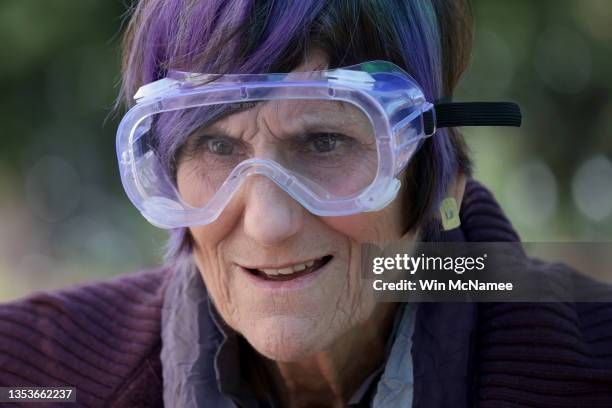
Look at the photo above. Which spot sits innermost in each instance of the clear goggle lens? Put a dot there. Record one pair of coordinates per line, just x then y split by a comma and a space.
328, 146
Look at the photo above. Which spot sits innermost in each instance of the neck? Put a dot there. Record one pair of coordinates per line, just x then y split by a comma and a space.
332, 376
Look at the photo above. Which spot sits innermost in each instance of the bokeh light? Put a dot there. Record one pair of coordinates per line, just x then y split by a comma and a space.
531, 194
52, 188
562, 59
592, 188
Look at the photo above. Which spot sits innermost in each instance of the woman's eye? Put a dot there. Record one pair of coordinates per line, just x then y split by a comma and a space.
324, 142
220, 147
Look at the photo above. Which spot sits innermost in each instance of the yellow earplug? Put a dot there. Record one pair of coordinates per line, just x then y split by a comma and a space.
449, 211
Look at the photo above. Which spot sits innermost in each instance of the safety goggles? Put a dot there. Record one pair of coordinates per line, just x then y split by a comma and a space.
334, 140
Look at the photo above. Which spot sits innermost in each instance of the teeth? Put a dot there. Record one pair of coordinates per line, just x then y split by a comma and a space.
299, 267
285, 271
288, 270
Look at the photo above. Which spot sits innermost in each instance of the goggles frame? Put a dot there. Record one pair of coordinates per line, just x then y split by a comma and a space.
400, 115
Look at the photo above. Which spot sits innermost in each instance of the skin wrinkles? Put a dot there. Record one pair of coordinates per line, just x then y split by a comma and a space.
268, 120
270, 130
322, 340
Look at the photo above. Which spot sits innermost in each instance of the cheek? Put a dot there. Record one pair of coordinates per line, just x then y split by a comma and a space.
376, 227
208, 254
213, 273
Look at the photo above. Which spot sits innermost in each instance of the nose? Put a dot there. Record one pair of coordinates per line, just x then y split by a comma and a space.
271, 216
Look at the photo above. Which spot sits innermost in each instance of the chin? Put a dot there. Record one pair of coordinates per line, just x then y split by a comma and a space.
288, 338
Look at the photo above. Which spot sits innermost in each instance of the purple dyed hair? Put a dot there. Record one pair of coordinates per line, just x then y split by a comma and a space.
431, 39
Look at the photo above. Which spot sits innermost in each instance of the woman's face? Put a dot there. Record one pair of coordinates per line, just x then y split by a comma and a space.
263, 231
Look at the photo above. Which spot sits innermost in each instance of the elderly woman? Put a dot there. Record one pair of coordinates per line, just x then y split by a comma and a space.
273, 139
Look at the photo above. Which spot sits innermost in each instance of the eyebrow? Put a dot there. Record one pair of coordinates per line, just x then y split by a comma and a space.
306, 117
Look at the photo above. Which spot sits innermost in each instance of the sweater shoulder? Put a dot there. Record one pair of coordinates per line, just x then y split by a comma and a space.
94, 336
545, 354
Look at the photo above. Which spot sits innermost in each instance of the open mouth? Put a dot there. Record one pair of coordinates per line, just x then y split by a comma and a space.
291, 272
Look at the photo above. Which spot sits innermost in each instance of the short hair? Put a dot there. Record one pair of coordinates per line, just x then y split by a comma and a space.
430, 39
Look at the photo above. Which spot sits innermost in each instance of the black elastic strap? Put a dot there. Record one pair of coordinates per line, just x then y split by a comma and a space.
457, 114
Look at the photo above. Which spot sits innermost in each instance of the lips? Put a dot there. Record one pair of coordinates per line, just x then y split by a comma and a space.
292, 271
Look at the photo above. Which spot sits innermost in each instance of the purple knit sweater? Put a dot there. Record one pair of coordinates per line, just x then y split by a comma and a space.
104, 338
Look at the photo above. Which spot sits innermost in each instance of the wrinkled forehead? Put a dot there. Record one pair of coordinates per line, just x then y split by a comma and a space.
288, 117
282, 110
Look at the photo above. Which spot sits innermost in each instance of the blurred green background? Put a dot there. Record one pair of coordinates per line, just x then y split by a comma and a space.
64, 217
